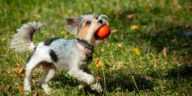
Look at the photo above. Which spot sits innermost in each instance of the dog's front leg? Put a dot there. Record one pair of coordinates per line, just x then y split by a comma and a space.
87, 78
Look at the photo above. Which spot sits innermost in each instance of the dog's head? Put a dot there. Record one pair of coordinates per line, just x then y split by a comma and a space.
85, 27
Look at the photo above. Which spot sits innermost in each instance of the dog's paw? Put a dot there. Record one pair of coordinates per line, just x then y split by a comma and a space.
96, 86
27, 92
82, 85
46, 89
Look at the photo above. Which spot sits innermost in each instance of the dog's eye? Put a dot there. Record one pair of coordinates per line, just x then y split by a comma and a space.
88, 22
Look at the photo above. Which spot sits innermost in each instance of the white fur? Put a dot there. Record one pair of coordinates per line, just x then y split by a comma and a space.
23, 37
69, 57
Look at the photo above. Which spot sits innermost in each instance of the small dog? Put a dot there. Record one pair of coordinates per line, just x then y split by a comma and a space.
71, 56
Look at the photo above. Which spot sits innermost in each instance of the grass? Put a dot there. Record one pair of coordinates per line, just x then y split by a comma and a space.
152, 59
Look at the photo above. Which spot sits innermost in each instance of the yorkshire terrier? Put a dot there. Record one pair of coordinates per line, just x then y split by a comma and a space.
72, 56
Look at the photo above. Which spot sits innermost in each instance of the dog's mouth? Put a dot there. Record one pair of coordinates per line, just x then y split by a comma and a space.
96, 35
102, 32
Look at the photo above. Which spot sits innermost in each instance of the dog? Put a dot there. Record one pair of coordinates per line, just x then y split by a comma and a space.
72, 56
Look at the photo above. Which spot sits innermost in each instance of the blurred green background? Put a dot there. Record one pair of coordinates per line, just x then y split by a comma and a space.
148, 52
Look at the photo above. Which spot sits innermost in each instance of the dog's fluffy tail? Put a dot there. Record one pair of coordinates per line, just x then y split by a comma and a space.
23, 40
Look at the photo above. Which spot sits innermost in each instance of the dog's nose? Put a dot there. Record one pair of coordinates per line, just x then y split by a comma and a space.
100, 21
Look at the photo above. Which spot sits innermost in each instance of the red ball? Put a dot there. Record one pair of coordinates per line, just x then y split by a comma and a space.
103, 32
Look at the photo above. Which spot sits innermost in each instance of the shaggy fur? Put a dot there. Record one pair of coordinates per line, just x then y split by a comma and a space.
71, 56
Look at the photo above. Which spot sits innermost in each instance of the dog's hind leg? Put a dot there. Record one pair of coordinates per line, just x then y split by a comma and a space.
49, 70
30, 66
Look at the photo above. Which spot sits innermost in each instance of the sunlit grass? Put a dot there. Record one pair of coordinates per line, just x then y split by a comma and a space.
148, 52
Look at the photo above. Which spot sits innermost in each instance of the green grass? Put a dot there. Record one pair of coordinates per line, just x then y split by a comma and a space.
161, 25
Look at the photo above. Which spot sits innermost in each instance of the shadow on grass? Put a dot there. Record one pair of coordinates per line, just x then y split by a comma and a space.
119, 82
64, 80
175, 37
123, 83
177, 40
128, 82
180, 75
184, 71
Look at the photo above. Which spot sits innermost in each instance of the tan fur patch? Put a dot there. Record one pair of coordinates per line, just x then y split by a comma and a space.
83, 32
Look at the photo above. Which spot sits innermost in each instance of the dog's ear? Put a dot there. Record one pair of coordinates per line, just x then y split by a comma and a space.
73, 24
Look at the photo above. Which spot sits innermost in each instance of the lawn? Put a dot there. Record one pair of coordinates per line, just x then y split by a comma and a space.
148, 52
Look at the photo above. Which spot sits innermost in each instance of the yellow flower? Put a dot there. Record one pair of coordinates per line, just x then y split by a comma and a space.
120, 45
137, 51
134, 27
18, 70
99, 63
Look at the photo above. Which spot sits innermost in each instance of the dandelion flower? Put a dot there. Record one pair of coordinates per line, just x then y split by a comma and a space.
134, 27
137, 51
99, 63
